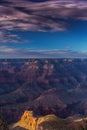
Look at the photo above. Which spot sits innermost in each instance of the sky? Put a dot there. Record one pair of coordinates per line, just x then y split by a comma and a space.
43, 29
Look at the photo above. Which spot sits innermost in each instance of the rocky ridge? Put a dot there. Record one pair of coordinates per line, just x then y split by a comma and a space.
49, 122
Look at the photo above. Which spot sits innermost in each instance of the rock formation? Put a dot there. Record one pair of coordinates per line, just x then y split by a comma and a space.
48, 122
29, 122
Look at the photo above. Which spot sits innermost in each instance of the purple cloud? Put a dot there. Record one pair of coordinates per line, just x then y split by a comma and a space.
45, 16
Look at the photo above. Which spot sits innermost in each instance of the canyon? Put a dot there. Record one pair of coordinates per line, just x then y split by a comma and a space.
44, 86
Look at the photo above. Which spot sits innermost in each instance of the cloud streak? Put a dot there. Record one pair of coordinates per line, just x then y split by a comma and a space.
10, 52
45, 16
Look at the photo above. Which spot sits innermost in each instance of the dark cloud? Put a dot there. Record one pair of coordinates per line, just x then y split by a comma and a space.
6, 37
4, 2
38, 0
40, 15
24, 10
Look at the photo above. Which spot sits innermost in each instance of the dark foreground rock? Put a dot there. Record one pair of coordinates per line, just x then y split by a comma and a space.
3, 124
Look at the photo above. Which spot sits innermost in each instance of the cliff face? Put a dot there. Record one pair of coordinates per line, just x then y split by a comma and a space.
28, 121
3, 124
